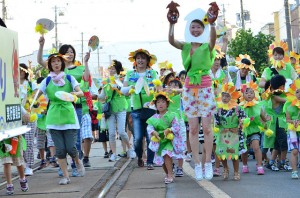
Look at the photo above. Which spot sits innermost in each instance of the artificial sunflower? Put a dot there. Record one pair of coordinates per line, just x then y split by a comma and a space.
239, 62
42, 105
132, 56
254, 87
279, 63
219, 54
231, 90
161, 93
165, 65
291, 94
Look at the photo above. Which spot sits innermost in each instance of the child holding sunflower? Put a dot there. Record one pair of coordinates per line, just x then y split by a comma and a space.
164, 130
228, 119
291, 108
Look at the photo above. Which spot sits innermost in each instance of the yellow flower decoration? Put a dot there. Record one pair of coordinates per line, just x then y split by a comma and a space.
295, 55
33, 117
42, 105
269, 132
170, 136
161, 93
216, 130
252, 85
165, 65
231, 90
219, 54
291, 94
40, 29
240, 65
279, 63
152, 57
205, 20
291, 127
154, 139
157, 82
131, 91
112, 64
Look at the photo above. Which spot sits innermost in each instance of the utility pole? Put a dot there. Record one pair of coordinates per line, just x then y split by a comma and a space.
224, 21
4, 15
55, 23
82, 48
242, 15
288, 25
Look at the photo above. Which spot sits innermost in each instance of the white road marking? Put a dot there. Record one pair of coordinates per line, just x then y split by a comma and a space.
208, 186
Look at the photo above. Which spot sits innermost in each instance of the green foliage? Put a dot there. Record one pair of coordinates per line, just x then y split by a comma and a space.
255, 46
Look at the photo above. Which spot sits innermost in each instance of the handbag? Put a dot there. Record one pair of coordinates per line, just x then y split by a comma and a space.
106, 108
146, 113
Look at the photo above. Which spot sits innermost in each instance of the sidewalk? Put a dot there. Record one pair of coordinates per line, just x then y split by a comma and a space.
45, 182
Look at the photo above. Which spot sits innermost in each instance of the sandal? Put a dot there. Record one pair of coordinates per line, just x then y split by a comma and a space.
236, 176
225, 174
140, 162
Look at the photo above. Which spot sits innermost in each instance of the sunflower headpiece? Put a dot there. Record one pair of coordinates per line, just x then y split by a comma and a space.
161, 93
132, 56
279, 63
219, 53
252, 85
231, 90
295, 56
165, 65
239, 62
291, 94
113, 63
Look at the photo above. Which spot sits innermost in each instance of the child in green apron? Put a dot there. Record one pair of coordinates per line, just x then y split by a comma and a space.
164, 130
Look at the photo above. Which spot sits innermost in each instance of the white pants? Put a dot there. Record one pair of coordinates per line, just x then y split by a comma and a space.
119, 119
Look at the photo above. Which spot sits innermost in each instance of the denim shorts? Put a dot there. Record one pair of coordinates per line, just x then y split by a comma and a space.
255, 136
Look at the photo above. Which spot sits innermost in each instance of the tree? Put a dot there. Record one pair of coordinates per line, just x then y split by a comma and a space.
255, 46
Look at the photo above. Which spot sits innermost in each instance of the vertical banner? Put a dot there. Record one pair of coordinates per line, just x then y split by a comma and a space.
10, 102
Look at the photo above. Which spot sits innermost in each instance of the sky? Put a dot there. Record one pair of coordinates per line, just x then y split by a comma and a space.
119, 21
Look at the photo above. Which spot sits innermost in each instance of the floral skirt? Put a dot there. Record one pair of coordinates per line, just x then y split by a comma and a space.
198, 102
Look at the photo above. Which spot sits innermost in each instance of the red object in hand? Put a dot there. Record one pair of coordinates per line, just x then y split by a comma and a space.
14, 143
212, 13
173, 13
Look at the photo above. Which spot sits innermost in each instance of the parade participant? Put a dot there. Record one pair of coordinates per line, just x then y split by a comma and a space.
291, 108
217, 74
164, 66
61, 120
174, 91
277, 139
294, 58
42, 134
118, 104
164, 129
198, 96
182, 76
140, 81
79, 73
244, 74
253, 109
228, 120
27, 90
280, 64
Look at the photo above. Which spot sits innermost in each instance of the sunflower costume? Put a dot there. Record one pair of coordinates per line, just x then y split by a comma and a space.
282, 67
252, 110
229, 138
296, 65
292, 107
170, 145
240, 63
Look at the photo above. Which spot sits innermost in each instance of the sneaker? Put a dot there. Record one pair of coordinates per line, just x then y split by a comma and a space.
285, 167
81, 169
131, 153
272, 167
10, 189
208, 171
24, 185
28, 171
198, 172
64, 181
295, 175
260, 170
42, 165
188, 157
75, 172
150, 167
112, 158
245, 169
179, 172
86, 162
122, 154
60, 173
106, 155
217, 172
